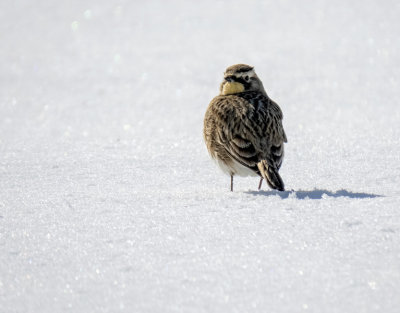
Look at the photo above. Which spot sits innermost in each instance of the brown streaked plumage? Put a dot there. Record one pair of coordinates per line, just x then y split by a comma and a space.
243, 128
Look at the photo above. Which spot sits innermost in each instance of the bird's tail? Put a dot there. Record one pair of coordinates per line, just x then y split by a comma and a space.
271, 175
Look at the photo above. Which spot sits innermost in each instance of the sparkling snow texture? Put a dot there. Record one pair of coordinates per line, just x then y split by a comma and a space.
109, 201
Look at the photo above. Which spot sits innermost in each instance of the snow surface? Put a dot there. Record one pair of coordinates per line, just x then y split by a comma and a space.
109, 201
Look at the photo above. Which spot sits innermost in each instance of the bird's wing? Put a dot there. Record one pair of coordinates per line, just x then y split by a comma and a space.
252, 130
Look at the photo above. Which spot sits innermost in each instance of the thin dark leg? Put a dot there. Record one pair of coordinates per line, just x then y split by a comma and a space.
231, 182
259, 185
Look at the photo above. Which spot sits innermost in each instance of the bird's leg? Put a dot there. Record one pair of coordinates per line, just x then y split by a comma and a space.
231, 182
259, 185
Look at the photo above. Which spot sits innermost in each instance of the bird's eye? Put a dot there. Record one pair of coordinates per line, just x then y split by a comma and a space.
247, 78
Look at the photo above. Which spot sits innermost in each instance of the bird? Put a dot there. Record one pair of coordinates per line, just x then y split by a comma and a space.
243, 128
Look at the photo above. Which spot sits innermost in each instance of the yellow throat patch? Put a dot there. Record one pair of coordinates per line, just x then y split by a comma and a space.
231, 88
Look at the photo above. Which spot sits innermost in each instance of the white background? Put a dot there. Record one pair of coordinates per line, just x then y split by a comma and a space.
109, 201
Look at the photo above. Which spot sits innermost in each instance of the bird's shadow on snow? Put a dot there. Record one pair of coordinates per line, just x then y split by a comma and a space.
314, 194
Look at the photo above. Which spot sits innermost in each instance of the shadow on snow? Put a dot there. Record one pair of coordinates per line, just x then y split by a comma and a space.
314, 194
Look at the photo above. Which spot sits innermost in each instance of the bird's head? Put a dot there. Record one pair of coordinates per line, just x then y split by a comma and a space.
240, 78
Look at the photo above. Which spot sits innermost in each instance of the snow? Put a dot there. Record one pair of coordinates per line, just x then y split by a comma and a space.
109, 201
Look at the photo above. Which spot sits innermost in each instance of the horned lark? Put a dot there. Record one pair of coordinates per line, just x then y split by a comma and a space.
243, 128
